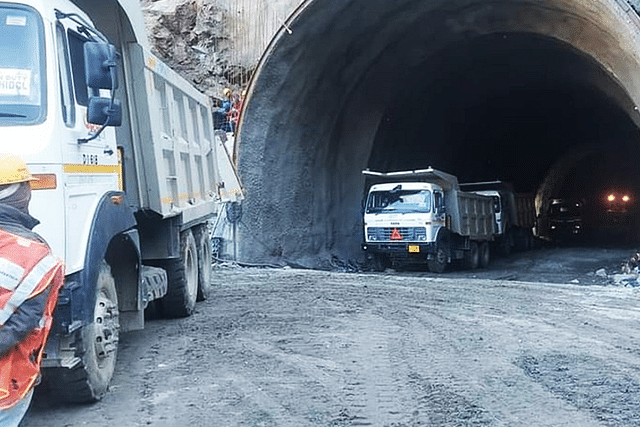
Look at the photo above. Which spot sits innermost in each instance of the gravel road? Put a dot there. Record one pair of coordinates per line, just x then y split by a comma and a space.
293, 348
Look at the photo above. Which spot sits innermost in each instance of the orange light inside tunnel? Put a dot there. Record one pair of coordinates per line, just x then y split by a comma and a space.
44, 182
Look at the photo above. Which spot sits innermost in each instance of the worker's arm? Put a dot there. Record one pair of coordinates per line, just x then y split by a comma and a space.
26, 318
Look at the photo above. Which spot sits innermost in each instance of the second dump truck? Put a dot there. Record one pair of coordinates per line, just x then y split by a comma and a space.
515, 214
422, 216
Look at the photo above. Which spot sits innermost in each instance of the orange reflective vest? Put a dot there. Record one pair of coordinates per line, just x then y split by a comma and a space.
27, 269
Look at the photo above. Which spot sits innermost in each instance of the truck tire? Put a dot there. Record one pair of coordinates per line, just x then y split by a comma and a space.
472, 256
380, 262
507, 243
530, 241
485, 254
438, 264
205, 259
182, 275
96, 346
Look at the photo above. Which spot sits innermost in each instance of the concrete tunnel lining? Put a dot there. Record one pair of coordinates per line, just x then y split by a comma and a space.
320, 104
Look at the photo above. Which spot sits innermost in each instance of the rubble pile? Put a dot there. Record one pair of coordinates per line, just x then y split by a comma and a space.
630, 272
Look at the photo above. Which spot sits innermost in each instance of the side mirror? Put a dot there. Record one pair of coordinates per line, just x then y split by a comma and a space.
99, 65
102, 109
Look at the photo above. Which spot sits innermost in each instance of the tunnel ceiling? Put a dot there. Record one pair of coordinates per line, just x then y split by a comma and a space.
524, 91
504, 106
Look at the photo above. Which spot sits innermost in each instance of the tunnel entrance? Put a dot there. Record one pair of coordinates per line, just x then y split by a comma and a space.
501, 106
525, 107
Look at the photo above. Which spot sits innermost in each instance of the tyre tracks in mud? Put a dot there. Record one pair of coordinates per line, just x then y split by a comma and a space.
296, 348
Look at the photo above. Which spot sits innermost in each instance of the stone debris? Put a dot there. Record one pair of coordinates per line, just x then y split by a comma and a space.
601, 272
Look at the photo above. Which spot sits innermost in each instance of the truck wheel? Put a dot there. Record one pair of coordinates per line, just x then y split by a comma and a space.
182, 274
472, 257
507, 244
201, 235
380, 262
97, 347
485, 255
438, 263
530, 242
522, 240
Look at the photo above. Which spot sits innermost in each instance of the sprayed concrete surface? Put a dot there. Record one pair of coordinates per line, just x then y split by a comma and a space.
292, 348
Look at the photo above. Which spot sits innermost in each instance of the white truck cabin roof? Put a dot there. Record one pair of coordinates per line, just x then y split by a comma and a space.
429, 175
405, 186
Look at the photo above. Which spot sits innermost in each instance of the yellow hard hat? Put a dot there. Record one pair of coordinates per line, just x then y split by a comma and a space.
13, 170
226, 91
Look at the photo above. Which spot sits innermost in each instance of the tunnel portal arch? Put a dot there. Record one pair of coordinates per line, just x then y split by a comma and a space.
481, 89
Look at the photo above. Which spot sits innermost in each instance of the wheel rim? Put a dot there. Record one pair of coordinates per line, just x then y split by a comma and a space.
205, 265
473, 256
484, 255
191, 271
105, 330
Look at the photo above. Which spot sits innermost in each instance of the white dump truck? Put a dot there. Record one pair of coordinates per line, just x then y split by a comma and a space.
129, 172
422, 216
515, 214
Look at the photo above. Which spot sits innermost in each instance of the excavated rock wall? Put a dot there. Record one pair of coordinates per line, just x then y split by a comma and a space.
214, 43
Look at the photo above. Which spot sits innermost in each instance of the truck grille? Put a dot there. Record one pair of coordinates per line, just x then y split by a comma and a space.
383, 234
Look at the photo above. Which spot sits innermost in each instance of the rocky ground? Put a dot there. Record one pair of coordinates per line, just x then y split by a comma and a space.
547, 338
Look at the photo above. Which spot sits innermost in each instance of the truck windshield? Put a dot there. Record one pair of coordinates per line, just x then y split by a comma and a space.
399, 201
565, 210
22, 69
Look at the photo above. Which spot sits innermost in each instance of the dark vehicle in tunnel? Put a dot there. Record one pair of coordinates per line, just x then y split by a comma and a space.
565, 220
422, 217
619, 207
616, 216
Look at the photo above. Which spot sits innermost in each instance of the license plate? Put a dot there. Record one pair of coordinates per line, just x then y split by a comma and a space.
414, 248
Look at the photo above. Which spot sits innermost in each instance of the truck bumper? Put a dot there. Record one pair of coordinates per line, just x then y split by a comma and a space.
400, 249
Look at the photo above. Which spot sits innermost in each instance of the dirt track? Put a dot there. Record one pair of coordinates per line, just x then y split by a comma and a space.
306, 348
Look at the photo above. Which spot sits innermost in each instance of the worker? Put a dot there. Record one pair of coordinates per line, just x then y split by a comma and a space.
30, 279
221, 115
236, 109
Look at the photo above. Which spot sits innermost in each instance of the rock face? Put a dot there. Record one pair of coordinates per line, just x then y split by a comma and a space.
193, 37
214, 43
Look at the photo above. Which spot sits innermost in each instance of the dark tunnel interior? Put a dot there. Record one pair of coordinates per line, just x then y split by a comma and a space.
507, 107
504, 107
514, 106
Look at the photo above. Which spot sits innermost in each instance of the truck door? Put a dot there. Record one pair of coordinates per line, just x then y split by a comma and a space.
439, 207
102, 150
90, 168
